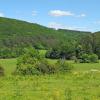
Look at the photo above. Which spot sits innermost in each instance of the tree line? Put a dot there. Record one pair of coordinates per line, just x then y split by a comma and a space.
15, 35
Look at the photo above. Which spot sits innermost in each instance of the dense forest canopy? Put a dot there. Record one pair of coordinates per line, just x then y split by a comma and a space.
16, 35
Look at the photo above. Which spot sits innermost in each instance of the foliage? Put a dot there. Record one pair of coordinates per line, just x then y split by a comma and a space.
26, 64
31, 63
79, 51
46, 68
16, 35
87, 44
94, 58
53, 54
96, 43
89, 58
1, 71
63, 51
10, 52
63, 66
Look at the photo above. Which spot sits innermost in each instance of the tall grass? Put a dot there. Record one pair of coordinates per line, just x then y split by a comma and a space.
82, 84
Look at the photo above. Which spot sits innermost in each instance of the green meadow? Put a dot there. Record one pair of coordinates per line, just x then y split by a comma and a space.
83, 83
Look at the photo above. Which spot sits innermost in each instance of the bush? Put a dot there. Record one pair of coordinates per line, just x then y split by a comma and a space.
60, 53
1, 71
27, 69
93, 58
35, 68
85, 58
31, 63
89, 58
45, 68
64, 66
53, 54
26, 63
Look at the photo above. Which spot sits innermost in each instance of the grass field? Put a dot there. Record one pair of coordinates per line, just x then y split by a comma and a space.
82, 84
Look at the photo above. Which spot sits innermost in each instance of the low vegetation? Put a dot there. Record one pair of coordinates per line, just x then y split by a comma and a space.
88, 58
1, 71
82, 84
32, 63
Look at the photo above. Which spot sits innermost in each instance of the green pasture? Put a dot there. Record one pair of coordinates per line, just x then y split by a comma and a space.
10, 64
82, 84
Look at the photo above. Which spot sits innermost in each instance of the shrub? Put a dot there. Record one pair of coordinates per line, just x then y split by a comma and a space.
27, 69
89, 58
64, 66
1, 71
53, 54
85, 58
93, 58
26, 63
30, 64
45, 68
35, 68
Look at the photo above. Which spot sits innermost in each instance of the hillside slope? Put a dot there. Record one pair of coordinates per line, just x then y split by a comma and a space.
15, 33
96, 40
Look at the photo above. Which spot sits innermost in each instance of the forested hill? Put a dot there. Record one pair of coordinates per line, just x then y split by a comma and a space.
17, 34
96, 40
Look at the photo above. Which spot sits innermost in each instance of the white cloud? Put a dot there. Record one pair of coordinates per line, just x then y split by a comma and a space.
34, 13
61, 26
58, 13
1, 14
81, 15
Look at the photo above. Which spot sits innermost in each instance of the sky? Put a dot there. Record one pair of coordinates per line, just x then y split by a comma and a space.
81, 15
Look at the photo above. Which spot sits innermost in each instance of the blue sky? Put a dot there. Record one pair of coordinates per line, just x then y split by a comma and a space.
69, 14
